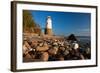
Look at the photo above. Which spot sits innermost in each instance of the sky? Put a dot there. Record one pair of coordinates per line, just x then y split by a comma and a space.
65, 23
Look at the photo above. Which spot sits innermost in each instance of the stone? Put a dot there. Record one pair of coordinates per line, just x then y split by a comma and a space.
53, 51
44, 56
41, 49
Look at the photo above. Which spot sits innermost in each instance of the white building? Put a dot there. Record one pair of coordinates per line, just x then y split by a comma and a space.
48, 29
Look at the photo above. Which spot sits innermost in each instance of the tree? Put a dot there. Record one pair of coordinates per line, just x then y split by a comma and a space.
28, 21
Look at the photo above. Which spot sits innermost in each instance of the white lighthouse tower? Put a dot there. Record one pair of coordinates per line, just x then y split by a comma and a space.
48, 29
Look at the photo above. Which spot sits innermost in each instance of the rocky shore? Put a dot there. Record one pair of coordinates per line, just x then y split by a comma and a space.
53, 48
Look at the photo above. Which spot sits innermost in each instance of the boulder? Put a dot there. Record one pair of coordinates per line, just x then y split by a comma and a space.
72, 37
41, 49
44, 56
53, 51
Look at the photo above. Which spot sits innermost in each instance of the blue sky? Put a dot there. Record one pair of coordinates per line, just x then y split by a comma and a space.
65, 23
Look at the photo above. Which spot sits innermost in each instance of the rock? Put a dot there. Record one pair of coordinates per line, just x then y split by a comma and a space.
75, 45
25, 49
27, 45
41, 49
61, 58
62, 48
82, 57
27, 56
71, 37
44, 56
88, 50
53, 51
34, 44
66, 52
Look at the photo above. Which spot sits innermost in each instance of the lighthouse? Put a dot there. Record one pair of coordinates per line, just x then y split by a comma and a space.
48, 29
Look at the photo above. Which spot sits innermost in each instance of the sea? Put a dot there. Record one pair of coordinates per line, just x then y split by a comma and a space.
84, 41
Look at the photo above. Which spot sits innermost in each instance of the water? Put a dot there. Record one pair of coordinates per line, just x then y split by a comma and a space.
84, 41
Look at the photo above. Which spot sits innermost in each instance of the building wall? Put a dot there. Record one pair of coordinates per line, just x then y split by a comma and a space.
48, 31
